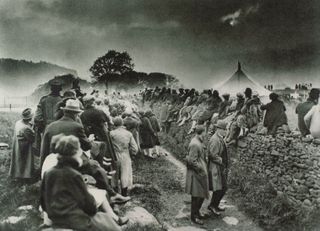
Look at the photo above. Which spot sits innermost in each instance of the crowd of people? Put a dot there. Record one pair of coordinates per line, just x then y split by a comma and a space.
86, 144
222, 122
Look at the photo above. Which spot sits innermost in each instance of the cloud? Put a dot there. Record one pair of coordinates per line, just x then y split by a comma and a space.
185, 38
234, 19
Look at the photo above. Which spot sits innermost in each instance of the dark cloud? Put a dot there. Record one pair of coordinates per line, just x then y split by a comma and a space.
188, 38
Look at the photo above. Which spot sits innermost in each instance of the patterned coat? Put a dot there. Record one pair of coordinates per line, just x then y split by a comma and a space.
197, 173
22, 161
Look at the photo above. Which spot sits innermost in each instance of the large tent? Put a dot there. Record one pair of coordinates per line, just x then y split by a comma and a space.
239, 81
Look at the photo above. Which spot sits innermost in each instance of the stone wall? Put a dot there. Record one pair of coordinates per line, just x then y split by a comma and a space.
276, 180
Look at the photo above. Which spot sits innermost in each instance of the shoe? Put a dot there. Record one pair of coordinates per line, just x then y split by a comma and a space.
197, 221
203, 216
122, 221
119, 199
214, 211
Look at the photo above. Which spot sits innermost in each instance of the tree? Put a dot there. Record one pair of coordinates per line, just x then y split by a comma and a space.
112, 64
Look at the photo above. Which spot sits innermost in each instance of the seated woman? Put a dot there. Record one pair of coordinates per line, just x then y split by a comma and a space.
65, 197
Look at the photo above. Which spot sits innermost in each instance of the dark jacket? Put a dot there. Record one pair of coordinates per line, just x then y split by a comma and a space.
275, 115
45, 111
156, 128
64, 196
147, 133
94, 122
66, 126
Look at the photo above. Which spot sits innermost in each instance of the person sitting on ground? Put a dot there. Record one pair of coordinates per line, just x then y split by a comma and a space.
22, 160
65, 196
303, 108
312, 121
124, 146
275, 115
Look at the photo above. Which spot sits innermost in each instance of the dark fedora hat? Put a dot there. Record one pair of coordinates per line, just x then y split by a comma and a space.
27, 114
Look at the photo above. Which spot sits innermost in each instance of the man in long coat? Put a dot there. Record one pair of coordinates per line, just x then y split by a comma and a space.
197, 174
45, 112
218, 167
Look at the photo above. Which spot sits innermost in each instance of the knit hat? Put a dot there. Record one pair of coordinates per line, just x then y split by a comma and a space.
67, 145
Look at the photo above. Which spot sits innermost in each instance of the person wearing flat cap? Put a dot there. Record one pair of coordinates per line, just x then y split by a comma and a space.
22, 160
197, 184
218, 167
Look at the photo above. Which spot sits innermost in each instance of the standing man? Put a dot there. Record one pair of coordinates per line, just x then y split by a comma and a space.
303, 108
218, 167
47, 106
67, 125
45, 112
197, 184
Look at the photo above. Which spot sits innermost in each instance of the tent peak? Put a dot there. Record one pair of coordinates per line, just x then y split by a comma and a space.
239, 66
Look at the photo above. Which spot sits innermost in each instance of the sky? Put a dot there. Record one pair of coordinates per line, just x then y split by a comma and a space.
198, 41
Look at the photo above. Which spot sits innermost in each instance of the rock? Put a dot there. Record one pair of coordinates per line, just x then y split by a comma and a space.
307, 202
316, 141
306, 139
242, 144
25, 207
14, 219
141, 216
186, 228
231, 220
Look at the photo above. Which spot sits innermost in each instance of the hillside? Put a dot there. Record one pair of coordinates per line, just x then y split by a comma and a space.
20, 77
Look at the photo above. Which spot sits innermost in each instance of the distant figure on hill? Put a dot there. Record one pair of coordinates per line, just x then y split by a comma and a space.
22, 162
303, 108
